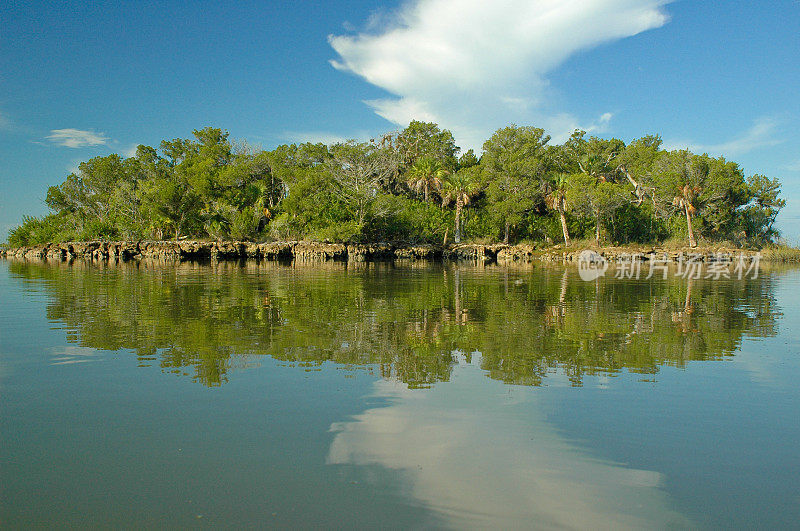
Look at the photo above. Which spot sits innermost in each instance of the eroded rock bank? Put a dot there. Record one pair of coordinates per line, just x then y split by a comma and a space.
230, 250
317, 251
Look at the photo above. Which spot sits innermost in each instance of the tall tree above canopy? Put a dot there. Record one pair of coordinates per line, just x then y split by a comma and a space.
426, 139
169, 202
202, 161
592, 188
515, 164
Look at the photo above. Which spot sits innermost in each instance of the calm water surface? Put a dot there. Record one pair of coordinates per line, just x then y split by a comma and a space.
423, 396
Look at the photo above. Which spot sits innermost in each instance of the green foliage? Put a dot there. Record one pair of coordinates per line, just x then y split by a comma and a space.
409, 220
757, 216
245, 222
424, 139
410, 186
514, 166
636, 224
37, 231
426, 176
343, 232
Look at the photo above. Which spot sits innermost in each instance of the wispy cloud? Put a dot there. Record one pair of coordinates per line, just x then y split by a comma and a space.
320, 136
473, 66
75, 138
760, 134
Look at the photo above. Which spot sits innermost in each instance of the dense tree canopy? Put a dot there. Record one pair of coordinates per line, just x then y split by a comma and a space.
411, 186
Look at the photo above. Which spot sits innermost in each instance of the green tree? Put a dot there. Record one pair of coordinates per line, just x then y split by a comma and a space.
556, 199
426, 176
757, 217
514, 168
426, 139
171, 202
595, 197
91, 196
357, 170
459, 188
700, 186
636, 164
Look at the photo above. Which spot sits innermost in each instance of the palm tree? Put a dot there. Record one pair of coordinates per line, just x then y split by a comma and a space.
685, 201
556, 199
425, 175
459, 187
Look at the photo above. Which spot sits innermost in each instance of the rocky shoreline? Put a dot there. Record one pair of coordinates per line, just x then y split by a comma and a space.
316, 252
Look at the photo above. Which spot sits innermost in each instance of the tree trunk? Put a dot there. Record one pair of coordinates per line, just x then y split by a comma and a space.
458, 220
564, 227
692, 241
597, 230
505, 239
425, 188
637, 189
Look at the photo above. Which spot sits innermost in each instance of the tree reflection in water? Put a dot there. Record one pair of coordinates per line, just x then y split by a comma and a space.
405, 321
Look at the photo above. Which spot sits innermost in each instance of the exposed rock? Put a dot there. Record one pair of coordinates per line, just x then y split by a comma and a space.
418, 252
517, 253
321, 252
370, 252
227, 250
276, 250
314, 251
470, 252
194, 249
161, 250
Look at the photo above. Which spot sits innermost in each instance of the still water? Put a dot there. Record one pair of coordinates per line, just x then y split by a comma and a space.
417, 395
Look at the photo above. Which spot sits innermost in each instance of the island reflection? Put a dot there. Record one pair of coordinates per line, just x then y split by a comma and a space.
408, 322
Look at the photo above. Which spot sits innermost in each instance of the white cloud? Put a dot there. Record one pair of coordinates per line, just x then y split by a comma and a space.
494, 461
761, 134
473, 66
130, 151
75, 138
325, 137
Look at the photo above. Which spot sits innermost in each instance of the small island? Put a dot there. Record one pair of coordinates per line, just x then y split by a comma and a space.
525, 198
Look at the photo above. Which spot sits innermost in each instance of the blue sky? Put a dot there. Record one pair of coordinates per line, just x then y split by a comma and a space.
77, 81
